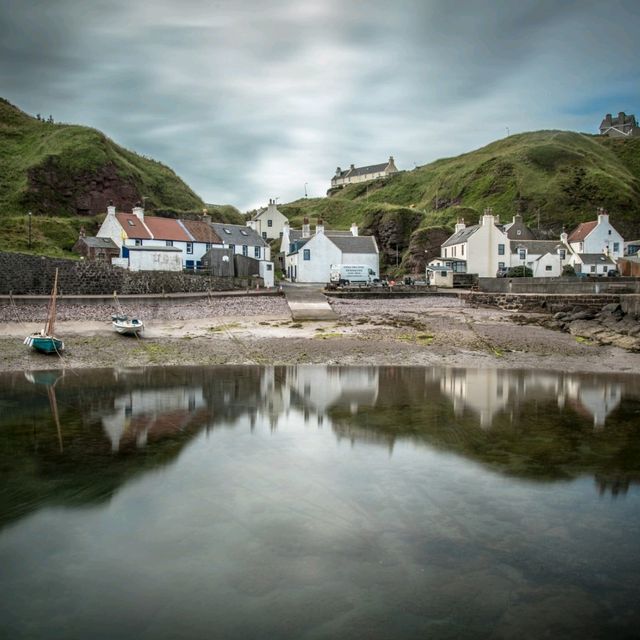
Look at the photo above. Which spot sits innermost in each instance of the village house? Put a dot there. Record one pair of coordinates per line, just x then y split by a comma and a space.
545, 258
596, 237
243, 240
592, 264
93, 248
354, 174
484, 246
517, 229
624, 126
308, 257
269, 222
133, 230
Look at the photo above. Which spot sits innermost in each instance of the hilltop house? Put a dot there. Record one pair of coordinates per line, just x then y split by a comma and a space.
624, 126
308, 257
192, 238
354, 174
268, 223
596, 237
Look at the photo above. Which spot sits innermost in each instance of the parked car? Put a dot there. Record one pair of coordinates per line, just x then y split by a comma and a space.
613, 273
502, 272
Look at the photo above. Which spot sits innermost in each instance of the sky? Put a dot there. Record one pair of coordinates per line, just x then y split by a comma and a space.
252, 100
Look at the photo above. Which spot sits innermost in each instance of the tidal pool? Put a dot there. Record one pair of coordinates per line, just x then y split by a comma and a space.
319, 502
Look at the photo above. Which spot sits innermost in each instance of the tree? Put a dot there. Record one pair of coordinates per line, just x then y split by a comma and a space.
520, 272
568, 270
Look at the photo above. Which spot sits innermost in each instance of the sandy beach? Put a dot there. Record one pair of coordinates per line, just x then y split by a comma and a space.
425, 331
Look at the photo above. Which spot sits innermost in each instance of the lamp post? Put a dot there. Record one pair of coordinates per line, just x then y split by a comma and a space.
29, 230
305, 189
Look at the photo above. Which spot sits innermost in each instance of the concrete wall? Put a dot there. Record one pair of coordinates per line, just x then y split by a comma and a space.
23, 274
559, 285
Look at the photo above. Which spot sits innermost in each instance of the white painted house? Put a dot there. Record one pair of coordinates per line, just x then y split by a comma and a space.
243, 240
308, 257
268, 223
545, 258
192, 238
484, 246
597, 236
354, 174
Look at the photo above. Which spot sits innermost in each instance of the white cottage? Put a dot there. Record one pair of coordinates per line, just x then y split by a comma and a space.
268, 223
484, 246
597, 236
308, 257
545, 258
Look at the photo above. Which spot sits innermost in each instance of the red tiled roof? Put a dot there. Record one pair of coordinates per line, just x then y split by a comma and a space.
201, 231
133, 226
582, 231
166, 229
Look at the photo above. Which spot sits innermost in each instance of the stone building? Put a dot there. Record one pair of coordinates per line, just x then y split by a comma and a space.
624, 126
354, 174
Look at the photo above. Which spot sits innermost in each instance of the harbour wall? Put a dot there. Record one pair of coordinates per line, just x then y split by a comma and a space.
24, 274
559, 285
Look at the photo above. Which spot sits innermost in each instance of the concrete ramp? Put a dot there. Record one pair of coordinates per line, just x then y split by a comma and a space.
308, 303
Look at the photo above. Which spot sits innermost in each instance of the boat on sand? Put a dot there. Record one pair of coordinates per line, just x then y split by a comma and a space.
44, 341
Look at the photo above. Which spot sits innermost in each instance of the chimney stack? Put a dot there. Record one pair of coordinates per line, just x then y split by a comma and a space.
603, 216
138, 211
306, 229
319, 226
111, 210
460, 225
354, 229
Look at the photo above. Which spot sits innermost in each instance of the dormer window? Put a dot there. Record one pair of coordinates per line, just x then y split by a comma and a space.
227, 231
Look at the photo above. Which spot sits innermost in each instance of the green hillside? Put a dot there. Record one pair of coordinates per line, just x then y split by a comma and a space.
66, 175
554, 178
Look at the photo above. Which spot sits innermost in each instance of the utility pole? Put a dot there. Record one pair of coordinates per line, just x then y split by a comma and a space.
30, 230
305, 189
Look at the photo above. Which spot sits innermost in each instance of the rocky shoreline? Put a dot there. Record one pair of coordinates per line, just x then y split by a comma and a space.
242, 330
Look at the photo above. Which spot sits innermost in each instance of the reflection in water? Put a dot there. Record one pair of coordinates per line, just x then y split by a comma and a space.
229, 490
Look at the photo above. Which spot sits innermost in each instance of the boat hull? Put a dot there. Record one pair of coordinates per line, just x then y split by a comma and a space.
128, 327
44, 344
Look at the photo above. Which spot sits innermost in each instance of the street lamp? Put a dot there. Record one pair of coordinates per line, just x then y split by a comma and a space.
29, 230
305, 189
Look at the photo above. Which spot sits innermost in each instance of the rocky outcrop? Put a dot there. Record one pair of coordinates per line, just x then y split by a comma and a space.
424, 246
53, 190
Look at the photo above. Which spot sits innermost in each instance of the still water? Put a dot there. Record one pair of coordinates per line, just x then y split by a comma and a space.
319, 502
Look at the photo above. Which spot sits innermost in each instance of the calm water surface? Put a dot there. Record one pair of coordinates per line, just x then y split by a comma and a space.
319, 502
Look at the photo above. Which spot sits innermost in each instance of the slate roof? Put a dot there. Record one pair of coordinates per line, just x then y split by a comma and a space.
237, 234
595, 258
354, 244
167, 229
201, 231
133, 226
461, 236
100, 243
582, 231
361, 171
536, 247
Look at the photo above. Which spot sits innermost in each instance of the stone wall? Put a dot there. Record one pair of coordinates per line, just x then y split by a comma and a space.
23, 274
546, 303
559, 285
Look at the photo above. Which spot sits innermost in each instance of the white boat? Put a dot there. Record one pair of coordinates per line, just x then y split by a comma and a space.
127, 326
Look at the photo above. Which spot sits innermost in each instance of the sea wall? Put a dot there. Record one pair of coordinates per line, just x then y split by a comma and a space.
559, 285
546, 303
23, 274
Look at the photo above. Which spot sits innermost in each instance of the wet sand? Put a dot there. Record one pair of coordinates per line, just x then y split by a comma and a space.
424, 331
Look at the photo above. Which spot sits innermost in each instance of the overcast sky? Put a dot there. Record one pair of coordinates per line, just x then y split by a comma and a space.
250, 100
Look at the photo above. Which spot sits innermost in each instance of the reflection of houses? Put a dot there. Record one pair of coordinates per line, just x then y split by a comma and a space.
144, 414
490, 392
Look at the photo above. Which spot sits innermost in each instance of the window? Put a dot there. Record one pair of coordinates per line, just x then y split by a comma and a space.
562, 253
227, 231
501, 265
137, 242
189, 247
169, 243
281, 234
306, 254
245, 250
269, 223
243, 232
522, 254
264, 235
462, 250
269, 267
593, 268
256, 252
233, 248
609, 231
548, 268
500, 249
616, 247
208, 246
519, 232
443, 274
131, 223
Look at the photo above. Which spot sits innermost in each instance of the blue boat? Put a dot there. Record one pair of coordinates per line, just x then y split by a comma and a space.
44, 341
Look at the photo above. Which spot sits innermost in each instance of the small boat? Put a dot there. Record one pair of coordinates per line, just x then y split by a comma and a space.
127, 326
44, 341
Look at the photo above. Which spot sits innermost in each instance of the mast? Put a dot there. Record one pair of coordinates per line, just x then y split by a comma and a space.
51, 314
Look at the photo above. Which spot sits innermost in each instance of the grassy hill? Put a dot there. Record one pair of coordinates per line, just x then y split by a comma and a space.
66, 174
554, 178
